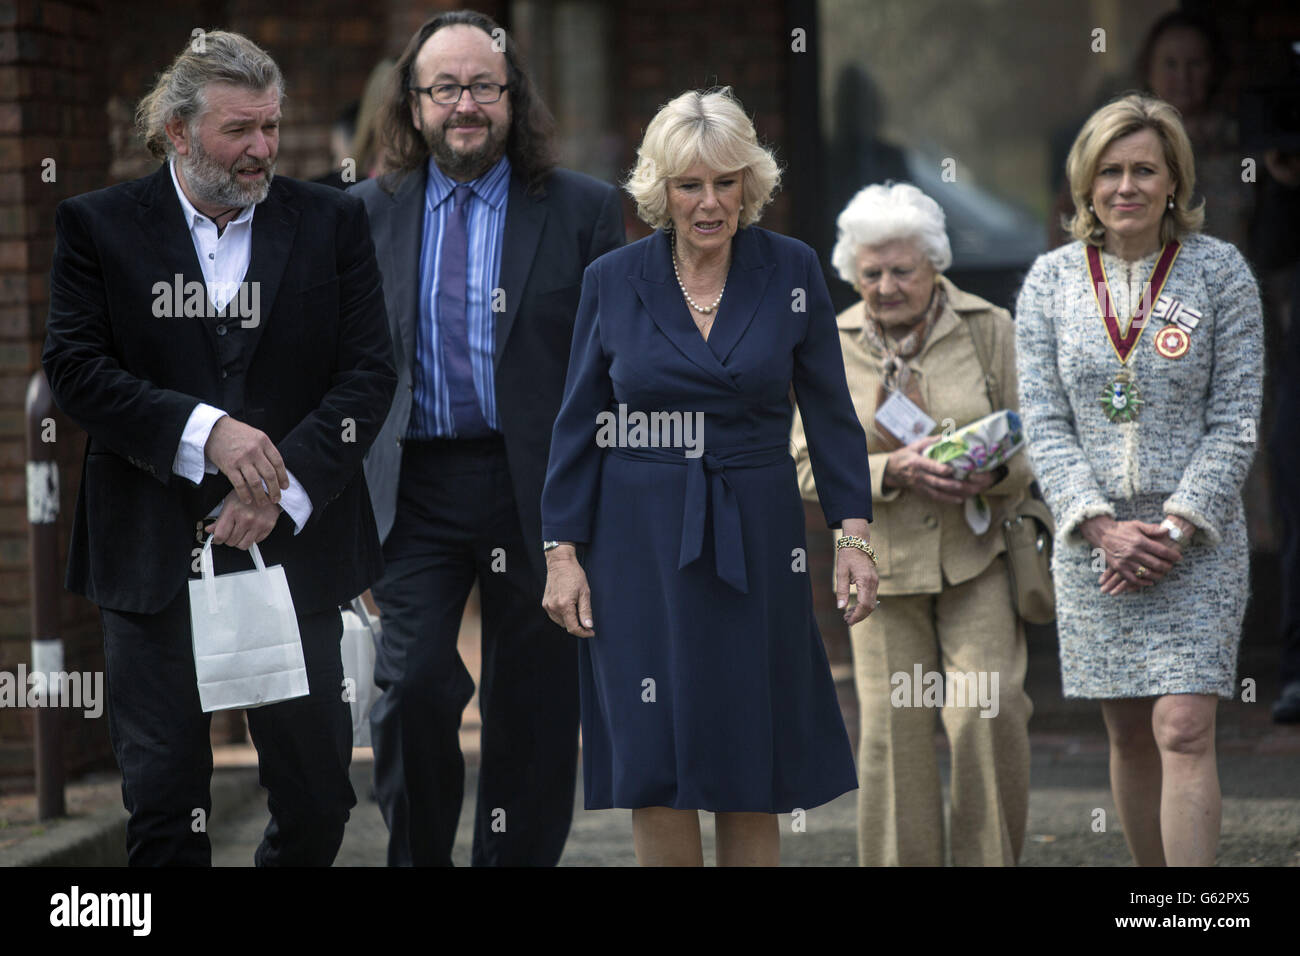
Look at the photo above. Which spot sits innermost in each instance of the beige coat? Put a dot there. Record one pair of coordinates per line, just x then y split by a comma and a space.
920, 544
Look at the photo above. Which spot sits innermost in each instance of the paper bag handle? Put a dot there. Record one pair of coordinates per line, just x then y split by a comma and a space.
210, 583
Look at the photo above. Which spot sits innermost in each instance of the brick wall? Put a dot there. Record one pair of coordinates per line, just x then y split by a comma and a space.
52, 145
666, 47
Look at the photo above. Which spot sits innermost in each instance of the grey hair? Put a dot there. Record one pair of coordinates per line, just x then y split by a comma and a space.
882, 213
215, 57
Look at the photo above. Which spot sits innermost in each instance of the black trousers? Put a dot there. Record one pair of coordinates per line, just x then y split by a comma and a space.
456, 522
160, 737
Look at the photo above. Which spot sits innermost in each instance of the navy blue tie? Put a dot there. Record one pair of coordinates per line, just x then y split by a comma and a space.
453, 324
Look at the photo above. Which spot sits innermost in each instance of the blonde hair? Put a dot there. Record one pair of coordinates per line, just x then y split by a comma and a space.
882, 213
215, 57
368, 147
1119, 118
701, 126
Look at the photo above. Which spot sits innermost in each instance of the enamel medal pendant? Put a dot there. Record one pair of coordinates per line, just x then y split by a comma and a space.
1120, 399
1172, 342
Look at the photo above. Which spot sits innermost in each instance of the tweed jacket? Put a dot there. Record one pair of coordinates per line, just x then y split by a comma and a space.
1195, 434
921, 544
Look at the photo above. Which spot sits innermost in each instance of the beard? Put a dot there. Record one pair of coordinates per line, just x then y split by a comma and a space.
466, 164
213, 183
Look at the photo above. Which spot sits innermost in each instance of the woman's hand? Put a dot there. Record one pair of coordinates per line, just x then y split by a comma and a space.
854, 568
909, 468
568, 598
979, 482
1137, 554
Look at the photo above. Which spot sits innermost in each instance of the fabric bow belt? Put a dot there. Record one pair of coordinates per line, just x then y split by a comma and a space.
706, 478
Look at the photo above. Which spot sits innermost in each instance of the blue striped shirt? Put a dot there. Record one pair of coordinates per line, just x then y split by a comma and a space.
431, 407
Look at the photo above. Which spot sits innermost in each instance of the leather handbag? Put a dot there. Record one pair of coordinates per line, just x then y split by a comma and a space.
1029, 531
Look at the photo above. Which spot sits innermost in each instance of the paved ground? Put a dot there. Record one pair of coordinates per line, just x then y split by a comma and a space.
1261, 820
1259, 766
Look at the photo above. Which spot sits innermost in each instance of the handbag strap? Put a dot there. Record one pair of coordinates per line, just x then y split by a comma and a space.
358, 607
991, 383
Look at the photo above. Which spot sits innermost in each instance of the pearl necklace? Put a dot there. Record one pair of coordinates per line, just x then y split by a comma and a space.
702, 309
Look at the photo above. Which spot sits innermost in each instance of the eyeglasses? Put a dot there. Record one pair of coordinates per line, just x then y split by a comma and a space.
448, 94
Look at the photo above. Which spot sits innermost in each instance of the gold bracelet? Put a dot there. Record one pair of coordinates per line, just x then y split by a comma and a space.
853, 541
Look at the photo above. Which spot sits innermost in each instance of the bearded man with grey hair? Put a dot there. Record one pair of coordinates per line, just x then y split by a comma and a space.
220, 334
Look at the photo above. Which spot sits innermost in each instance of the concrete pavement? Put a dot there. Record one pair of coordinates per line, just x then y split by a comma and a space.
1069, 783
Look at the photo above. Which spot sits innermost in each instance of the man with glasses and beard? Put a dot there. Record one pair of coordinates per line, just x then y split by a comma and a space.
249, 425
482, 243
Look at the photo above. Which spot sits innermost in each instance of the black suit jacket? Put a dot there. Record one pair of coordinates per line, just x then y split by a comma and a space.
320, 355
549, 240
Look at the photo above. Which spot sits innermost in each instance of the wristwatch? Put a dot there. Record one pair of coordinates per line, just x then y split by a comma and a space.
548, 545
1175, 533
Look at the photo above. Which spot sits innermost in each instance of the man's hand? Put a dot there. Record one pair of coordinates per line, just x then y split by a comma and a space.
243, 525
249, 459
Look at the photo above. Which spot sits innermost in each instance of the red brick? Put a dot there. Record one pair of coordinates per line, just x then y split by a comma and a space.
13, 289
15, 356
15, 621
15, 586
13, 488
56, 17
13, 256
354, 31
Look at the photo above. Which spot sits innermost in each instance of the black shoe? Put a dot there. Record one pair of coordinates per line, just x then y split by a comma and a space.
1286, 709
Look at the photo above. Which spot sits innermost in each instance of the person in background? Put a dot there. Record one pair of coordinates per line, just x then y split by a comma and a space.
369, 147
1184, 62
1140, 352
945, 595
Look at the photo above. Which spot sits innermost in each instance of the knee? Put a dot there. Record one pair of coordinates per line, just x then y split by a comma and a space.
1130, 736
1184, 731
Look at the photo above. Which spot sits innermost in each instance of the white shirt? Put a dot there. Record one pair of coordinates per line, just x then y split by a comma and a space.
224, 260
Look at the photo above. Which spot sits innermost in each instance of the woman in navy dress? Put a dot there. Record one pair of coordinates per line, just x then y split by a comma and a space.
705, 685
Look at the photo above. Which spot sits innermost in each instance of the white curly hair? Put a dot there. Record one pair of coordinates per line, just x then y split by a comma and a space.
883, 213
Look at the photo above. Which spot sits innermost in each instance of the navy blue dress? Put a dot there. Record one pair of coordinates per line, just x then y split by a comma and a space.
706, 685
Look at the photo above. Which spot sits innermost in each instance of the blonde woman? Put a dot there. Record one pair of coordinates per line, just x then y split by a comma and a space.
704, 682
1141, 361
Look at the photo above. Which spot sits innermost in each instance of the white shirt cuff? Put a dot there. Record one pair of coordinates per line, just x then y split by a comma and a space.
293, 502
190, 461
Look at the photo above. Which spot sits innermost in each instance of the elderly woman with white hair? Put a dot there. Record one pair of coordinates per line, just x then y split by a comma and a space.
914, 341
704, 682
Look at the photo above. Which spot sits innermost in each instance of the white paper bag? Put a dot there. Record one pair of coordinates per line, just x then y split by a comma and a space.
360, 632
247, 649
